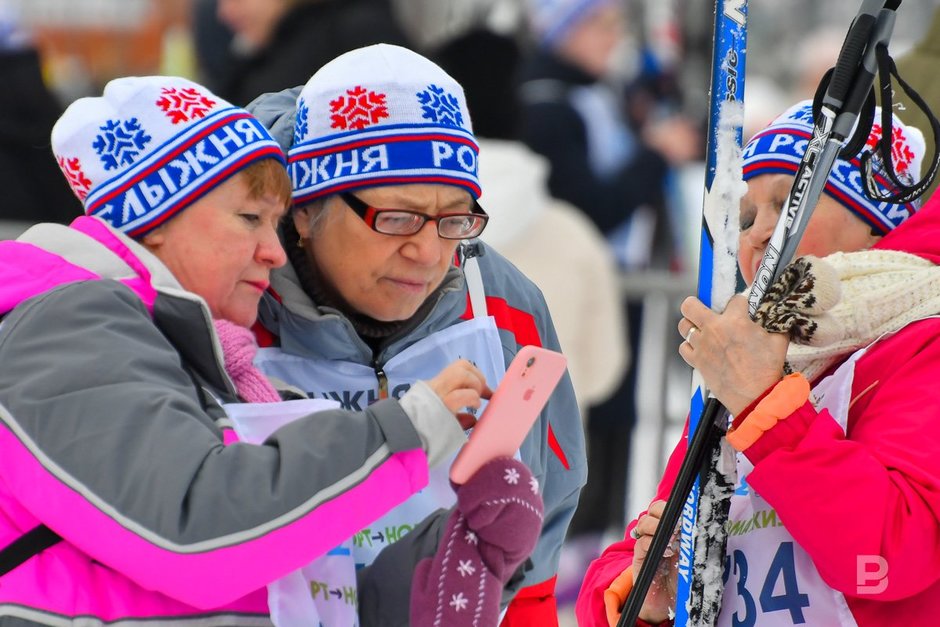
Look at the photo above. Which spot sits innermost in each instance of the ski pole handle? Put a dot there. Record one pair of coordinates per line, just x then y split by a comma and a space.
850, 56
851, 81
880, 35
841, 128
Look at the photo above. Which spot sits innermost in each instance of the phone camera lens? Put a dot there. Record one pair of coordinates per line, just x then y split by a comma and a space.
530, 362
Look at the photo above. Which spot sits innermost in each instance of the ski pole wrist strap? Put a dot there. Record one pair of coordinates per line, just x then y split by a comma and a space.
904, 191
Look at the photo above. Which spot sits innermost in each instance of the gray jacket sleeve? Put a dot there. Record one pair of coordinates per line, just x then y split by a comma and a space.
105, 436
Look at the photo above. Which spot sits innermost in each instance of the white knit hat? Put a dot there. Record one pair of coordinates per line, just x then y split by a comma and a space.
381, 115
779, 148
151, 146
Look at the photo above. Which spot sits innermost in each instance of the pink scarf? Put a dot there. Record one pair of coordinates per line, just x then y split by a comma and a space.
239, 348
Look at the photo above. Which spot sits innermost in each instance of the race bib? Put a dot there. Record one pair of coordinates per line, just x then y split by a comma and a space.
356, 386
769, 579
323, 593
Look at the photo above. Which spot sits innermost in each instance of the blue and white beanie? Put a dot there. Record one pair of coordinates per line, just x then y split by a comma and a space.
381, 115
779, 147
151, 146
551, 20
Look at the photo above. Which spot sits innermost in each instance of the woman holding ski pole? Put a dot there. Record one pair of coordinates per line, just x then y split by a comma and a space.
835, 518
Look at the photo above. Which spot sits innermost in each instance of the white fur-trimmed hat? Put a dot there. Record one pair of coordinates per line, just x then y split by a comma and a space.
381, 115
151, 146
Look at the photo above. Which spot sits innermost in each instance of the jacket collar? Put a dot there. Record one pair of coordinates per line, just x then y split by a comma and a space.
307, 329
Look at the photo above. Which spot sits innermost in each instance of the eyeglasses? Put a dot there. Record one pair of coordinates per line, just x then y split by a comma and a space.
407, 222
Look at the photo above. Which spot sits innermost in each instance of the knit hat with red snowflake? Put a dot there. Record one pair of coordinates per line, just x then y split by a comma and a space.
381, 115
778, 149
151, 146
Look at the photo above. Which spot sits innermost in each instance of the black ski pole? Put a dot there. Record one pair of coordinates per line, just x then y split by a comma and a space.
851, 80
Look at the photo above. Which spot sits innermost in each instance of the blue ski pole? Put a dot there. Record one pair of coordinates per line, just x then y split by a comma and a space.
727, 86
851, 81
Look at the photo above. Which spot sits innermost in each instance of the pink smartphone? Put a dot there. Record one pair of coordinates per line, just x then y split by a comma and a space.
510, 413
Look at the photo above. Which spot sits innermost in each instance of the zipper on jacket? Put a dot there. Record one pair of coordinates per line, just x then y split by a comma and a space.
383, 384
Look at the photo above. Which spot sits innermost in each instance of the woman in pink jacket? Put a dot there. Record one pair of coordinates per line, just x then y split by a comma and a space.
123, 497
835, 519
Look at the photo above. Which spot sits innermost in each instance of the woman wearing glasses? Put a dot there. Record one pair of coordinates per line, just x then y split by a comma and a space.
385, 282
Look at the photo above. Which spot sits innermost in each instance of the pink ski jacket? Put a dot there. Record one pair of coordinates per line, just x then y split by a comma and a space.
111, 435
874, 491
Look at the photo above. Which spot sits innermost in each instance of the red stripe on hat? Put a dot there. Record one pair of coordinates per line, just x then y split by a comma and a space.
196, 138
205, 187
853, 204
389, 180
778, 165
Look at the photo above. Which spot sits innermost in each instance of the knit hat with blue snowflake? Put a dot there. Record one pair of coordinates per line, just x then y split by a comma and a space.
151, 146
381, 115
779, 148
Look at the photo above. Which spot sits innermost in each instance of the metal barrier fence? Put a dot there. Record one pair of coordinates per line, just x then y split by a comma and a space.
663, 382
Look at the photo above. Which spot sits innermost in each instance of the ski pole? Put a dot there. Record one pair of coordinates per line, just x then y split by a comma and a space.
726, 86
852, 79
851, 82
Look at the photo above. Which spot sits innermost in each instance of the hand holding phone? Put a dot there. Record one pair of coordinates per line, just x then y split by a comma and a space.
461, 386
514, 407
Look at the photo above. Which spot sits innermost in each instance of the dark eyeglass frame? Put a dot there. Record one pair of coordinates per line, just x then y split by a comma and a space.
369, 215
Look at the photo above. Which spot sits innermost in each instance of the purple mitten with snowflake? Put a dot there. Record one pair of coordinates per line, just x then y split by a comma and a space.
491, 531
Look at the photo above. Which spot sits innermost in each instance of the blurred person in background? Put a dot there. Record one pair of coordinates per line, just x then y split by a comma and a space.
212, 41
549, 240
576, 113
34, 190
277, 44
815, 55
612, 161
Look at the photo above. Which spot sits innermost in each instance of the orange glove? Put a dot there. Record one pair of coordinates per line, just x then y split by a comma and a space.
616, 595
